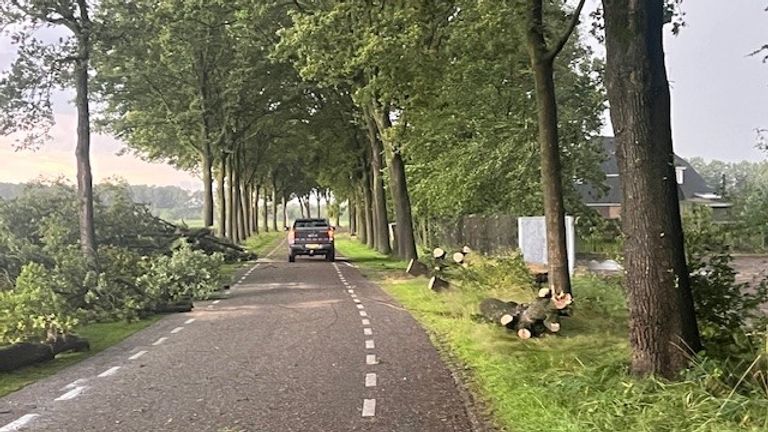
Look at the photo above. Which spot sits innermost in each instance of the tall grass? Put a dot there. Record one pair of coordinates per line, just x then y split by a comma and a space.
577, 380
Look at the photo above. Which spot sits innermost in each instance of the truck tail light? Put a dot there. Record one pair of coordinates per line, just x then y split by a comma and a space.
291, 236
330, 234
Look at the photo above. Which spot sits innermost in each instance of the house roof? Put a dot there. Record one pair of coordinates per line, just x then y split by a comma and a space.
694, 187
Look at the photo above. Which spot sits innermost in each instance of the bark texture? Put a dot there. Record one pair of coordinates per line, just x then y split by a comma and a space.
662, 319
542, 61
379, 206
83, 147
406, 241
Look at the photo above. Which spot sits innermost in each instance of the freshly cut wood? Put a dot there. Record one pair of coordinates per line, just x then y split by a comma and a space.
499, 311
552, 325
437, 284
466, 250
23, 354
438, 253
417, 268
529, 320
64, 343
458, 258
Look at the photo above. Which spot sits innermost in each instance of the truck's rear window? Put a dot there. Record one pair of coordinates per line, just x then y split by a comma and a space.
311, 224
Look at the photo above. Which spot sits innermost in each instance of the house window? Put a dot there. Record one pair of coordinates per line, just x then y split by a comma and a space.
680, 174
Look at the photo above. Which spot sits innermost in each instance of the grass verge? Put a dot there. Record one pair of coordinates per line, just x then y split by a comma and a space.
263, 243
100, 335
575, 381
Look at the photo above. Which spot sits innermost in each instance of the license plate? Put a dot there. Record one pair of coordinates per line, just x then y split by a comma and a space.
313, 246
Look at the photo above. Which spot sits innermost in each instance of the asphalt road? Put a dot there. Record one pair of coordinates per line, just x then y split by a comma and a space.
307, 346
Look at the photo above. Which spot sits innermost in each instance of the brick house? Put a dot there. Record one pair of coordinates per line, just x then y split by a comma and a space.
692, 189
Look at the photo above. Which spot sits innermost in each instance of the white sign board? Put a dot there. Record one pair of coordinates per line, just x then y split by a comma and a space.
532, 240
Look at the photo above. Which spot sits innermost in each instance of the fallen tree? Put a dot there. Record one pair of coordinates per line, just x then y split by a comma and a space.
24, 354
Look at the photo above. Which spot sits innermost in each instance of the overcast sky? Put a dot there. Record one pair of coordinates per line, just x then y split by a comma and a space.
719, 99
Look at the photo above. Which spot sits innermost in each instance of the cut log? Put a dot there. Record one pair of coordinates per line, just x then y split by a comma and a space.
466, 250
501, 312
417, 268
438, 254
23, 354
458, 258
537, 318
176, 307
64, 343
436, 284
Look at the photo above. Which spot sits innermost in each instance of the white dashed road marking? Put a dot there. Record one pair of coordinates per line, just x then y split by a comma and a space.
351, 291
369, 344
366, 322
363, 313
137, 355
75, 392
74, 384
367, 331
19, 423
369, 407
216, 301
349, 264
159, 341
189, 321
176, 330
370, 359
370, 380
111, 371
359, 306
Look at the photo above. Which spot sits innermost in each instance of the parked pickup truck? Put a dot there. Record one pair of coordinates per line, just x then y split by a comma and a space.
311, 237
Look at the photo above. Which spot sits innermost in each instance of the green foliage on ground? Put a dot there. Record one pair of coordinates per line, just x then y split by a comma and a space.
100, 336
46, 285
577, 380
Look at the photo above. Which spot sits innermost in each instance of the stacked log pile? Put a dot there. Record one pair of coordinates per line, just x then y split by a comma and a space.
529, 320
438, 267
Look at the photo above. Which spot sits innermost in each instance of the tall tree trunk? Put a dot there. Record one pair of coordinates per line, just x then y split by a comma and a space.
662, 318
83, 151
362, 231
222, 195
207, 168
351, 215
380, 221
256, 189
205, 132
266, 209
274, 207
236, 213
308, 204
368, 210
241, 210
542, 61
230, 199
318, 197
285, 212
406, 241
247, 194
